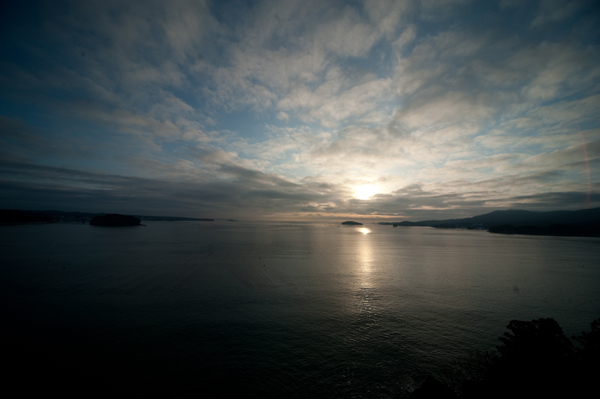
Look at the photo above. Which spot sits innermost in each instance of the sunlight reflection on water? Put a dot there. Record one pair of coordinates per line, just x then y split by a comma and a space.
365, 258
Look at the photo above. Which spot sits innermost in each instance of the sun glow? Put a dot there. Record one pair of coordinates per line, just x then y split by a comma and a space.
365, 191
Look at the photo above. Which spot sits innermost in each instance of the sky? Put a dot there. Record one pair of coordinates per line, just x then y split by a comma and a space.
300, 110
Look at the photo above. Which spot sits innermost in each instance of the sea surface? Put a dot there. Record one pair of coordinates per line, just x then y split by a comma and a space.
276, 309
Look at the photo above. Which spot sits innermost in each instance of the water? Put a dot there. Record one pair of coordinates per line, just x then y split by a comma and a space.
234, 309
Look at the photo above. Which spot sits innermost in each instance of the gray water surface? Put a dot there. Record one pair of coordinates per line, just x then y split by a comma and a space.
286, 309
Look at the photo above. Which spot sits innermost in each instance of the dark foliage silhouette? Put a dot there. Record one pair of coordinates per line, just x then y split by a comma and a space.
535, 359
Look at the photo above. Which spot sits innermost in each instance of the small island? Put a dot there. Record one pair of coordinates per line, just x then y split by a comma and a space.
350, 222
115, 220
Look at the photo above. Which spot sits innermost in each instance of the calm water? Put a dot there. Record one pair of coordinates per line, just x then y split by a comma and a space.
286, 309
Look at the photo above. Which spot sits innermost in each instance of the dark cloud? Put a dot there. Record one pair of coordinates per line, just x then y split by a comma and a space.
247, 193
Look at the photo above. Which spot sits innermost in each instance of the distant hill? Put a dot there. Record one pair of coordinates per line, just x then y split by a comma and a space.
515, 218
525, 218
585, 222
11, 216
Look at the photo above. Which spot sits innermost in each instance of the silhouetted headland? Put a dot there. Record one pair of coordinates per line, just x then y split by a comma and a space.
115, 220
350, 222
582, 223
551, 230
13, 216
404, 224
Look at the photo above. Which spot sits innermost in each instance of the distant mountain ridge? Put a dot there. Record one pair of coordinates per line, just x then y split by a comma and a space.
12, 216
584, 217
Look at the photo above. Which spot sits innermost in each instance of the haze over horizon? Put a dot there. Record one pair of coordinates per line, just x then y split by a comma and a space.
300, 109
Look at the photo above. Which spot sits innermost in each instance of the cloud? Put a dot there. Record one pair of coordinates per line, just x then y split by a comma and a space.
408, 36
333, 102
440, 9
554, 11
24, 143
245, 192
282, 116
387, 15
440, 111
283, 107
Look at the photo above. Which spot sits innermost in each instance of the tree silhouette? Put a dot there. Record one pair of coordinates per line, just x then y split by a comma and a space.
535, 360
538, 341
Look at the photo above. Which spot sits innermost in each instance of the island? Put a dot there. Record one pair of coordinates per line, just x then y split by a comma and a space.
351, 223
115, 220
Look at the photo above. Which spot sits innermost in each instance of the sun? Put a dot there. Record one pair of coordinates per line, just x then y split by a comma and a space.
365, 191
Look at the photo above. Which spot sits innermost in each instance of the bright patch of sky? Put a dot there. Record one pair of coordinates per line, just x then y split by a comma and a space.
300, 109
